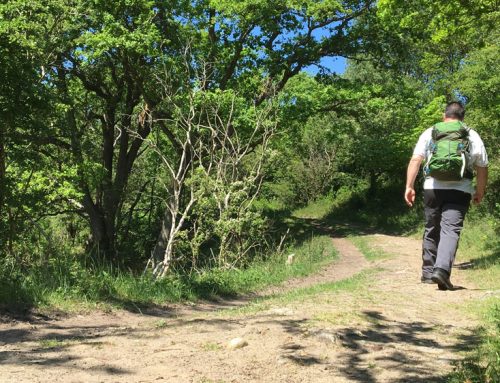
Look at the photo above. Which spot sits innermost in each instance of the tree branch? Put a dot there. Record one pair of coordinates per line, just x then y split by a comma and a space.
229, 71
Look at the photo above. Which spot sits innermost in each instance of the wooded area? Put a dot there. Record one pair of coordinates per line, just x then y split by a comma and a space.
167, 134
157, 151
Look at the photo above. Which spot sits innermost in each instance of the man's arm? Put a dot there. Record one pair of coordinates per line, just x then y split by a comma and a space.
481, 180
411, 175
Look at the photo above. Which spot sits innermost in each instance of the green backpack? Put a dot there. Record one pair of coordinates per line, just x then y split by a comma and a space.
448, 153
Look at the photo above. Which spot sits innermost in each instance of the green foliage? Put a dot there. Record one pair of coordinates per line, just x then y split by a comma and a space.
223, 215
361, 126
387, 120
111, 74
430, 114
476, 81
95, 97
432, 38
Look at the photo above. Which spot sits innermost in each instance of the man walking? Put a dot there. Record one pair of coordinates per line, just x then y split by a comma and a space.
451, 152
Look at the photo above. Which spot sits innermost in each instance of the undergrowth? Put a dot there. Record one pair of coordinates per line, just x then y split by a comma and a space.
66, 284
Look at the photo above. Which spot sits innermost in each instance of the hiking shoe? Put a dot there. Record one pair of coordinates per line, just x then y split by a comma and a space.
442, 278
426, 280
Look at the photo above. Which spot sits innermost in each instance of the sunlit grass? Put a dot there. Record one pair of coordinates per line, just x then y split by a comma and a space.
316, 210
353, 284
370, 252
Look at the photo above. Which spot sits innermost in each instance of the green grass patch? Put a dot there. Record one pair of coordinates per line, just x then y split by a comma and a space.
370, 252
211, 346
161, 323
318, 209
66, 285
53, 343
352, 284
208, 380
480, 245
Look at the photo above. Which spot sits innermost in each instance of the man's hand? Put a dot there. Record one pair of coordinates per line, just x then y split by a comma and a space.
477, 197
409, 196
411, 174
482, 179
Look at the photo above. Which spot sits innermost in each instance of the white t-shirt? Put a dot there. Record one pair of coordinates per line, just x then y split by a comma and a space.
478, 157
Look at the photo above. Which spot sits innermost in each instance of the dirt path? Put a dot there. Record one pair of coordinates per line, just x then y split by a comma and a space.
381, 326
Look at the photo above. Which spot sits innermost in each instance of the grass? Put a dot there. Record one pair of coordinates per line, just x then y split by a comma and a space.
349, 284
208, 380
480, 244
161, 323
211, 346
341, 318
53, 343
370, 252
318, 209
483, 363
68, 286
352, 284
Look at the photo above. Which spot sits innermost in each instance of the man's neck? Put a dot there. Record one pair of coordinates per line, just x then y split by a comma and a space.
448, 119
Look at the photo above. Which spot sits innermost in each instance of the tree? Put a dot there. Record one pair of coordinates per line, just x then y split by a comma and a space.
108, 57
430, 39
477, 81
210, 189
23, 111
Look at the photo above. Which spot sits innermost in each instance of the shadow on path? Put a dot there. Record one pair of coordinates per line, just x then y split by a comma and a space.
408, 351
385, 343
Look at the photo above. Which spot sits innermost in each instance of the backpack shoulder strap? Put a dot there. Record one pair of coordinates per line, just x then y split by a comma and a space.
434, 133
465, 130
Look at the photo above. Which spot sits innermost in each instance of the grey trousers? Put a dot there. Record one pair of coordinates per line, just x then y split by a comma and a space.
444, 217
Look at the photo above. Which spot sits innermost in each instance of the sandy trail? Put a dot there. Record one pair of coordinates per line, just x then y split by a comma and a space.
387, 327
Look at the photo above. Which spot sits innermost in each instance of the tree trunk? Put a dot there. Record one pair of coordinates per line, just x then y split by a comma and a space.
372, 191
5, 216
2, 172
161, 256
118, 152
163, 237
100, 238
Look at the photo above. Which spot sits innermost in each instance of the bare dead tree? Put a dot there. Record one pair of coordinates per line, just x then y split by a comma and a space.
210, 146
234, 185
204, 143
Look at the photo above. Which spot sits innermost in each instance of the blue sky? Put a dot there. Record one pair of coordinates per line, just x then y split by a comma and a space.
335, 64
